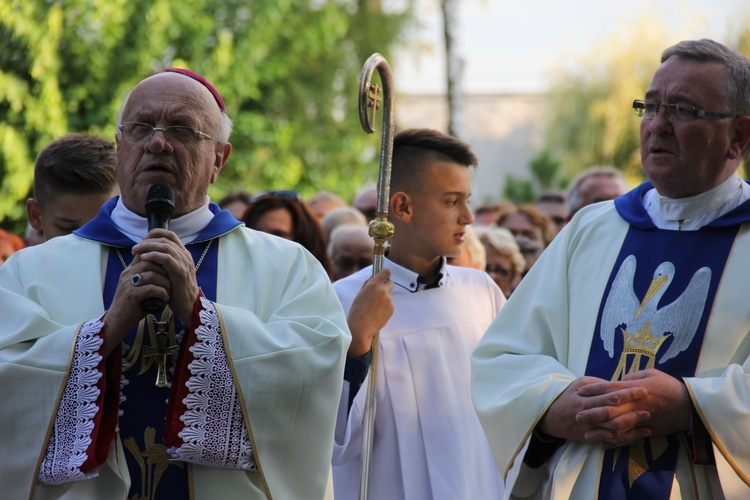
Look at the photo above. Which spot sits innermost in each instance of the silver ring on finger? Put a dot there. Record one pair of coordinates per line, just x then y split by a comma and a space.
136, 280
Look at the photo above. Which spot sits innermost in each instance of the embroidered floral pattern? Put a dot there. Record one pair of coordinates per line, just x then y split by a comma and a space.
215, 432
153, 461
74, 422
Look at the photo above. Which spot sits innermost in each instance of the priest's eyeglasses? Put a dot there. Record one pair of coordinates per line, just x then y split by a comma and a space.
676, 112
179, 136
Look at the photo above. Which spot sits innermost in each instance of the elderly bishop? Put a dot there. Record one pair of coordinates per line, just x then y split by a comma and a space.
227, 389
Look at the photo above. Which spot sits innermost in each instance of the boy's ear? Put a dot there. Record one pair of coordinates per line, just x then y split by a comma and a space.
34, 214
401, 208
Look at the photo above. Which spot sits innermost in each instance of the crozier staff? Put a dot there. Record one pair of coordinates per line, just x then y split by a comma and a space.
252, 338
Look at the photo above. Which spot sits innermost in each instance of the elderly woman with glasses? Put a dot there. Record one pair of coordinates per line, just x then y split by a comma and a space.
504, 262
285, 214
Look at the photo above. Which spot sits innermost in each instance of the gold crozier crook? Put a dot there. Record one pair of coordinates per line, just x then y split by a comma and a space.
381, 230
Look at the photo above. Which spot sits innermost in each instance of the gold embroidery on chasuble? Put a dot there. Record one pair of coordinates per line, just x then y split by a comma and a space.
155, 346
153, 461
645, 325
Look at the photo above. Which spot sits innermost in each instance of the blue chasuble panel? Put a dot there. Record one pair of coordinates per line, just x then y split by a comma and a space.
653, 314
144, 406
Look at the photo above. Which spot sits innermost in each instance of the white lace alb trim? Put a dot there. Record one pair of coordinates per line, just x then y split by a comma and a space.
215, 432
74, 422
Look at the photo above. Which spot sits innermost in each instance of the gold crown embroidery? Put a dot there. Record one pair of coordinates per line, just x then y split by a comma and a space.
636, 346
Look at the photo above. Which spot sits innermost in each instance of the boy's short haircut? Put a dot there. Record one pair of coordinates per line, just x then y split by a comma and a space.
416, 149
74, 164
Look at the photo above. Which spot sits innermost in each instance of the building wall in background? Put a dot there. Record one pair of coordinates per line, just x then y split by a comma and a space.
505, 131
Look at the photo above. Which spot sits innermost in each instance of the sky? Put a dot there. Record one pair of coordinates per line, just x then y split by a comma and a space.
513, 46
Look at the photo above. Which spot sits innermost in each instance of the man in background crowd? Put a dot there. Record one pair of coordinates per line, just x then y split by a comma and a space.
593, 185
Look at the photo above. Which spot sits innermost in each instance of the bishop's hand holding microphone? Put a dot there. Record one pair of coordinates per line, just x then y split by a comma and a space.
159, 210
157, 263
165, 264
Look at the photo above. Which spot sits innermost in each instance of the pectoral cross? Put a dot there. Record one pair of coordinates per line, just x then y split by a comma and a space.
162, 351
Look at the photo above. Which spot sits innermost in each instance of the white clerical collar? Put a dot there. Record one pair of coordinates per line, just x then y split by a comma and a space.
696, 211
187, 227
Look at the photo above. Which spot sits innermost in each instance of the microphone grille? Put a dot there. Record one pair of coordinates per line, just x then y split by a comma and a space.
160, 199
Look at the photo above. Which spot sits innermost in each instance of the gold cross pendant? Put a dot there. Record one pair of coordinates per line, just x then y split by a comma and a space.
162, 351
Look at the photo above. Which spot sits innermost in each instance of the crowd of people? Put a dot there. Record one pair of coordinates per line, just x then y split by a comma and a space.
79, 178
505, 246
74, 176
590, 344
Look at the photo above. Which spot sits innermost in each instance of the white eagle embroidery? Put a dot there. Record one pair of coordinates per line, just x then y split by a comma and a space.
624, 310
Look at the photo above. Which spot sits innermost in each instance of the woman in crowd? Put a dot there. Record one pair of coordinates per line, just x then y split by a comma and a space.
285, 214
527, 221
504, 262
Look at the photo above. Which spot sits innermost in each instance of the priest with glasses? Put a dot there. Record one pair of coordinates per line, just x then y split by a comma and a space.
619, 368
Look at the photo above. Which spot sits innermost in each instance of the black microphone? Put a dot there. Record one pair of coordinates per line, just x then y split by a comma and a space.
159, 206
159, 210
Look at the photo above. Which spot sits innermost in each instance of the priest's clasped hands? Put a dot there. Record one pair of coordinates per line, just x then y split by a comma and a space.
645, 403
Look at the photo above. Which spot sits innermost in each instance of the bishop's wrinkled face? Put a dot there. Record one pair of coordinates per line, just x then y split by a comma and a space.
189, 165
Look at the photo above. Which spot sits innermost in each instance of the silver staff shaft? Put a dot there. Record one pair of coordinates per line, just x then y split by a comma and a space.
381, 230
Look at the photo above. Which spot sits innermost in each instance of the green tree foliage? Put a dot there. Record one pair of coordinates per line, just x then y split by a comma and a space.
287, 69
546, 170
518, 191
591, 120
546, 174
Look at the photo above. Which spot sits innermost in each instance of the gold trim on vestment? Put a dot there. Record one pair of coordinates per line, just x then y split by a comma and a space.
245, 414
715, 440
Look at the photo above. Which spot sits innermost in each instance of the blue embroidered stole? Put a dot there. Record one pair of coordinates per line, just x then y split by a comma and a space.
653, 314
143, 405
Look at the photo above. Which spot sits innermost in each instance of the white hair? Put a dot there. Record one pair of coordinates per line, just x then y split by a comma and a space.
345, 229
503, 242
